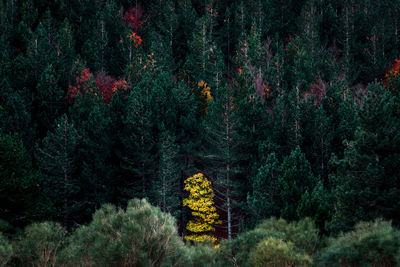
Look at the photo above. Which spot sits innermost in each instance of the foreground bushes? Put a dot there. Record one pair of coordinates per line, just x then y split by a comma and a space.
276, 252
6, 250
370, 244
40, 244
142, 235
273, 243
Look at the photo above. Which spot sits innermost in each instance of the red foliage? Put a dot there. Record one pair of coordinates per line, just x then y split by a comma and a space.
105, 83
80, 84
134, 17
108, 85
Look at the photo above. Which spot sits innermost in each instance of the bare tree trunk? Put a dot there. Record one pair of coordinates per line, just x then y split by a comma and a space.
65, 169
142, 172
347, 44
228, 204
102, 43
322, 158
228, 199
297, 113
164, 194
204, 46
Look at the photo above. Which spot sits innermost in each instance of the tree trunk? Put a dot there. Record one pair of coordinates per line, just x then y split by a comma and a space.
65, 167
228, 204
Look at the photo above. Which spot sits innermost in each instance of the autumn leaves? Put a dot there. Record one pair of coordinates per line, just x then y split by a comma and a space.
201, 202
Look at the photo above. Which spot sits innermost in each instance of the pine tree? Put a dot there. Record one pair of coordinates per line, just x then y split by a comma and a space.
166, 23
95, 49
138, 157
42, 49
347, 40
221, 153
58, 156
168, 174
187, 132
201, 202
367, 178
65, 47
97, 174
204, 62
263, 201
16, 113
294, 179
50, 97
20, 197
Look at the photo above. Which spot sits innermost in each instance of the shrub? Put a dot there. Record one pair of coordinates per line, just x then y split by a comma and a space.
374, 243
140, 236
40, 244
236, 251
303, 234
6, 250
297, 239
198, 255
276, 252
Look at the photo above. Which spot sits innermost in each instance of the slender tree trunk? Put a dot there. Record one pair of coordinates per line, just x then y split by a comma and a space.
347, 45
102, 43
164, 194
143, 168
228, 198
204, 46
322, 159
228, 203
65, 169
297, 113
65, 199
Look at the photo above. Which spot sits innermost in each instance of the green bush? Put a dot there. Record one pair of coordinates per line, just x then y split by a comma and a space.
300, 240
236, 251
140, 236
6, 250
276, 252
374, 243
40, 244
198, 255
303, 234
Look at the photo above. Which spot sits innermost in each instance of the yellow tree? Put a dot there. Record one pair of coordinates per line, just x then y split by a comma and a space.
204, 96
201, 202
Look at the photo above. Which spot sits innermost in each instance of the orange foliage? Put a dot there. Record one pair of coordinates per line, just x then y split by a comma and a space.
392, 73
136, 39
121, 84
267, 91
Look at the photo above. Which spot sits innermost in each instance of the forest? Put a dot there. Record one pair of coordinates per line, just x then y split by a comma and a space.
199, 133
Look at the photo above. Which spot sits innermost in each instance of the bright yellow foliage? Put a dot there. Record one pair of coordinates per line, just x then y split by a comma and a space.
205, 91
201, 202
